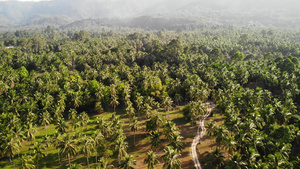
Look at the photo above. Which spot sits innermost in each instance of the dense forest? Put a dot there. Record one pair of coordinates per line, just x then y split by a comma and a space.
93, 99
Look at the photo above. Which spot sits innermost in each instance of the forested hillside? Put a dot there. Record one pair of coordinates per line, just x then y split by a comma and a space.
151, 15
98, 99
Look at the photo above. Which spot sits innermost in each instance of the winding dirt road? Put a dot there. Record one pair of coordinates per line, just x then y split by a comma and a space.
200, 134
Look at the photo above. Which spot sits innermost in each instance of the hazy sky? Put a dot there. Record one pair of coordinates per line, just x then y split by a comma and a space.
25, 0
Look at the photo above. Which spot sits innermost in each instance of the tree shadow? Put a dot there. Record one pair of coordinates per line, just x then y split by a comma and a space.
180, 121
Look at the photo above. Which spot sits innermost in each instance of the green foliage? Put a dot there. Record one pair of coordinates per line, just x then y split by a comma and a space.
282, 134
93, 86
238, 56
48, 77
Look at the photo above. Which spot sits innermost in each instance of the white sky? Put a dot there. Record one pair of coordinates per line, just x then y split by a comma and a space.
26, 0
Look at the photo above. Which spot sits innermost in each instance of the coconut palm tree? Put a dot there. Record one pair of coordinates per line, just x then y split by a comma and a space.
84, 119
167, 103
146, 109
30, 132
154, 123
72, 116
230, 145
151, 159
11, 147
169, 129
46, 120
68, 146
210, 131
170, 158
134, 127
27, 162
61, 126
215, 159
129, 109
103, 164
176, 141
75, 166
121, 147
128, 162
98, 138
114, 102
155, 140
139, 103
276, 161
236, 161
37, 149
87, 147
56, 142
46, 141
77, 99
220, 133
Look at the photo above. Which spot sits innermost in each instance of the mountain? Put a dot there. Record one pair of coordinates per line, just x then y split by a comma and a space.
154, 14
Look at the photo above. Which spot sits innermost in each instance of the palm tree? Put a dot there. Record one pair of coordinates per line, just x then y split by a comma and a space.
215, 159
154, 123
38, 151
88, 146
230, 144
220, 133
151, 159
276, 161
84, 119
11, 147
176, 141
236, 161
146, 109
75, 166
134, 127
47, 141
57, 114
169, 129
46, 119
171, 158
167, 103
31, 117
139, 102
30, 132
27, 162
155, 140
121, 147
68, 146
114, 102
103, 164
129, 109
127, 162
61, 126
56, 143
103, 126
210, 131
98, 138
72, 116
77, 96
177, 98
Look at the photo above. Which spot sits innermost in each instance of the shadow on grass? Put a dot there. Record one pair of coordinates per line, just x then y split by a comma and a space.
51, 161
180, 121
138, 139
4, 161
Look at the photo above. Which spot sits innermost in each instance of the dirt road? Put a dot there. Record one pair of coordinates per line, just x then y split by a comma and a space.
200, 134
